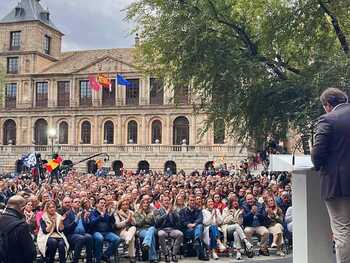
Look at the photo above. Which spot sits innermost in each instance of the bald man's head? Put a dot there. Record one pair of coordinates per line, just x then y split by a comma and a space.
16, 202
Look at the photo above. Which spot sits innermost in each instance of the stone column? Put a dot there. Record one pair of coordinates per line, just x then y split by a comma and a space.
74, 93
50, 95
168, 131
143, 130
145, 88
119, 127
73, 131
96, 98
168, 94
311, 229
95, 132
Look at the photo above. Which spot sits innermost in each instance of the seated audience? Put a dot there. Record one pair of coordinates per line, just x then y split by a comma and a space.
168, 224
233, 226
101, 227
76, 229
51, 237
212, 219
192, 220
125, 224
254, 220
145, 223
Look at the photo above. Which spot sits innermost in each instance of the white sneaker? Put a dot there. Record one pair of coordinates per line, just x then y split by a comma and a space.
238, 255
215, 256
273, 245
280, 253
248, 244
221, 247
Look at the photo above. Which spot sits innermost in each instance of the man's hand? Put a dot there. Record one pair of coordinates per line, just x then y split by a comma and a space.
191, 225
254, 209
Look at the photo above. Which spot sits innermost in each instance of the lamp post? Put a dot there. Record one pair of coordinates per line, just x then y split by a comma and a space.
52, 135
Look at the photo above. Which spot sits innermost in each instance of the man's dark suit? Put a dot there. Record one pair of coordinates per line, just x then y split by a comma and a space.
331, 152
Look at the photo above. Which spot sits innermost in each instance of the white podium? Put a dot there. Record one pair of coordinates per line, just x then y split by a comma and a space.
311, 230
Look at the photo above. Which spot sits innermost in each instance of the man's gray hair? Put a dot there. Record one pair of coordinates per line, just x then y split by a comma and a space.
333, 96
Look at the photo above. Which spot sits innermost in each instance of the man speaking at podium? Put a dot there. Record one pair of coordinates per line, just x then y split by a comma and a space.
331, 156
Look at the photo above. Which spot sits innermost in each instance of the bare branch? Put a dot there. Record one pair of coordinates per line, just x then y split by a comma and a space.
338, 31
250, 45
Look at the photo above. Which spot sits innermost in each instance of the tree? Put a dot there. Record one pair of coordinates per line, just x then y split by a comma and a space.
259, 65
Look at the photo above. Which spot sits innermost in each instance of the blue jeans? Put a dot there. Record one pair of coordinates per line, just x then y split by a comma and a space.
214, 234
196, 233
149, 240
111, 238
77, 242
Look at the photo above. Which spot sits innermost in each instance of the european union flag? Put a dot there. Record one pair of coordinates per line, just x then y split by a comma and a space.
121, 81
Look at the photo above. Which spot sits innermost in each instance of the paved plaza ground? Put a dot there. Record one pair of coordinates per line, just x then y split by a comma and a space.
262, 259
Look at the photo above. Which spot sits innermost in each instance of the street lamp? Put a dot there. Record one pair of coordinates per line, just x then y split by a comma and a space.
52, 135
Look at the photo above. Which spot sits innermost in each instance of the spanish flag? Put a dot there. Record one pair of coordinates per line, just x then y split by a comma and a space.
53, 164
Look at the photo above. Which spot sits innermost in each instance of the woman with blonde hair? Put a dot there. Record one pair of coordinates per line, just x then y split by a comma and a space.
179, 202
275, 227
212, 219
125, 224
50, 236
145, 223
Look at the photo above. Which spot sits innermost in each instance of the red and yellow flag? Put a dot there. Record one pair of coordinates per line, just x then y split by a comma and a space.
104, 80
53, 164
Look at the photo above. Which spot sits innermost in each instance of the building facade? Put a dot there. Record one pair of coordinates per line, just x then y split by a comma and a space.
47, 103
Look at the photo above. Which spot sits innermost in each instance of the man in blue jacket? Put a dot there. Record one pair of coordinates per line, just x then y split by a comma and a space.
101, 226
255, 220
192, 220
168, 222
75, 229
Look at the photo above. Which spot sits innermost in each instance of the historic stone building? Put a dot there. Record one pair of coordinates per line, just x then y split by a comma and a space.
47, 102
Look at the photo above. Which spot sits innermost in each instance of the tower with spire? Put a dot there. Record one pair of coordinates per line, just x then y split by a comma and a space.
29, 40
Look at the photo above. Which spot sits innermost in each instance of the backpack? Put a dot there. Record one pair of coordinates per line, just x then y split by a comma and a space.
4, 240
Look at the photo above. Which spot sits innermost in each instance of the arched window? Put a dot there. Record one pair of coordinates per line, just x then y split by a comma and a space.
40, 132
219, 131
156, 131
132, 132
63, 133
181, 131
108, 132
9, 132
85, 132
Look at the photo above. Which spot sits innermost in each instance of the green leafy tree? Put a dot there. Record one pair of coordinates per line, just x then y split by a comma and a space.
259, 65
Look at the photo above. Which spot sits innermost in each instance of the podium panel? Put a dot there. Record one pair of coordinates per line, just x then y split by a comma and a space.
312, 241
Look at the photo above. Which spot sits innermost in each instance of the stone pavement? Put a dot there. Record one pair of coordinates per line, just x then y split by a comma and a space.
262, 259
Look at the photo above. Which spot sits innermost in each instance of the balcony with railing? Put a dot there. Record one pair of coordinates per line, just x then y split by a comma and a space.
117, 149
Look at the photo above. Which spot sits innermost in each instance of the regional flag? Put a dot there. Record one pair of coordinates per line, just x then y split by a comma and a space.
121, 81
94, 85
104, 80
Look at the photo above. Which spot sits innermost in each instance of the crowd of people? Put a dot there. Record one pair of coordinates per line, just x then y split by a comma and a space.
160, 214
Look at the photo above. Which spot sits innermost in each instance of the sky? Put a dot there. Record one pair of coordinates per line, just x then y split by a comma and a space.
86, 24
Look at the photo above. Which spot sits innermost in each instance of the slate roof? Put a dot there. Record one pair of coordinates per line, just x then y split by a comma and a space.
75, 61
30, 10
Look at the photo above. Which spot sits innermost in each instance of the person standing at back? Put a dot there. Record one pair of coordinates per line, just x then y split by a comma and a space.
331, 157
16, 237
